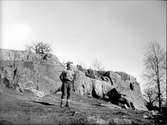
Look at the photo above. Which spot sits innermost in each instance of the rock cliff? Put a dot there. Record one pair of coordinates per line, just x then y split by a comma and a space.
29, 70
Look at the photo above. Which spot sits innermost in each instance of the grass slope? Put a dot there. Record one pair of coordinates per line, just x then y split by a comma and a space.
26, 109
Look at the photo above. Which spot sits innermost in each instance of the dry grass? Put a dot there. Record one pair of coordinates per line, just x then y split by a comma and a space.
17, 109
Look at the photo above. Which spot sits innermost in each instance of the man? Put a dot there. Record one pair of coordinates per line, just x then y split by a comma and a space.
67, 78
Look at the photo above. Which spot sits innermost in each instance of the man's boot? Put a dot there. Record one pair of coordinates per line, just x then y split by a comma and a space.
67, 103
61, 103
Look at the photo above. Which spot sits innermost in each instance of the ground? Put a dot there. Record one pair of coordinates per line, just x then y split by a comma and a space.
28, 109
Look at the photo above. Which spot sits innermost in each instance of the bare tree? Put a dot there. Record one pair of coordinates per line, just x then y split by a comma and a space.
165, 68
154, 63
40, 48
150, 95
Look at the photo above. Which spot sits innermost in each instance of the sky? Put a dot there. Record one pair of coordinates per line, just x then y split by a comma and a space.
115, 33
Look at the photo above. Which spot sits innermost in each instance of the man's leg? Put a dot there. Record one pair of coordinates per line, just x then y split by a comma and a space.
63, 90
68, 94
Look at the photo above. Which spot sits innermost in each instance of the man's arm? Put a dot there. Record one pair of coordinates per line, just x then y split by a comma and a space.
73, 85
74, 78
62, 76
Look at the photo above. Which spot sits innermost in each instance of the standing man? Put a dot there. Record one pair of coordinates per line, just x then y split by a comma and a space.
67, 78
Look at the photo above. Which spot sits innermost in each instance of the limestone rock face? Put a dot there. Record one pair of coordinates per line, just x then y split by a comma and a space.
115, 78
85, 85
128, 87
82, 84
23, 69
98, 88
28, 69
101, 88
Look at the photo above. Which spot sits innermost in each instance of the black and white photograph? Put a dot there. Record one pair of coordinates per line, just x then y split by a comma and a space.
83, 62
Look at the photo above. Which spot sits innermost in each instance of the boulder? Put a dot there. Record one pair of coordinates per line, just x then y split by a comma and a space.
82, 84
101, 88
28, 68
129, 87
87, 86
115, 78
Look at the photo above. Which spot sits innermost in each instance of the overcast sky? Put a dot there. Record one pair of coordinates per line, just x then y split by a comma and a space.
113, 32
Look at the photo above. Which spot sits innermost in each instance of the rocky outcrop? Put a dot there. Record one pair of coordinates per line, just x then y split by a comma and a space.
100, 88
26, 70
129, 87
88, 86
29, 69
82, 84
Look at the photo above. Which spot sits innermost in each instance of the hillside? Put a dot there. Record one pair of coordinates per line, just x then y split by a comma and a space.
27, 79
17, 109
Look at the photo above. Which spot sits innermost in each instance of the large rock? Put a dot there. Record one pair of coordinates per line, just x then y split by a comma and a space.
101, 88
122, 82
88, 86
82, 84
25, 67
29, 69
128, 87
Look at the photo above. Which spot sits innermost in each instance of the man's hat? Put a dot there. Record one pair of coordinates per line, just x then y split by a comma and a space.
69, 62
